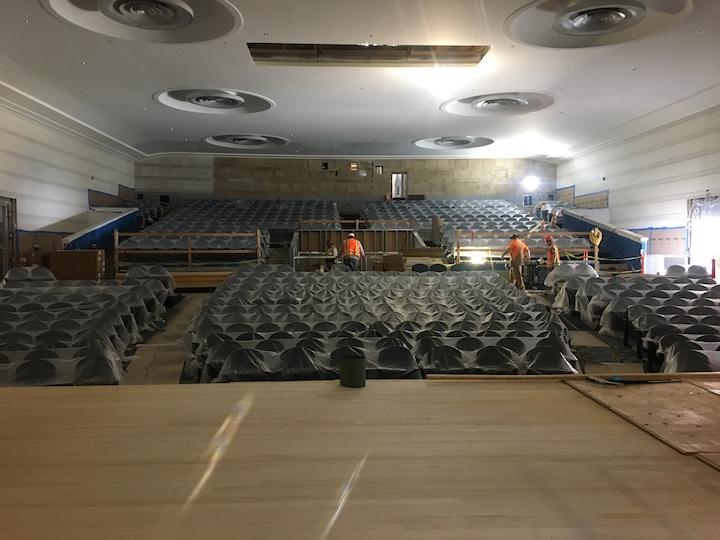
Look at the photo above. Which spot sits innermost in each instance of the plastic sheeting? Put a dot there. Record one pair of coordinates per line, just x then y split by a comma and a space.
73, 332
271, 312
566, 271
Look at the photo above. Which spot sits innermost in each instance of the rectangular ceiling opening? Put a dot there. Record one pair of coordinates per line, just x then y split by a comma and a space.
367, 54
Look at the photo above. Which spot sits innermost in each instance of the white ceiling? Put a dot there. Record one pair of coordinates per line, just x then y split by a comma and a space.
600, 93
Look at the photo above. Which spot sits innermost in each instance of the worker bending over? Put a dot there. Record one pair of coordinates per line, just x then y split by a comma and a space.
352, 251
519, 253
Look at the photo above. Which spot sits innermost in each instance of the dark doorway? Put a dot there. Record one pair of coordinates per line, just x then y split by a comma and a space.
8, 234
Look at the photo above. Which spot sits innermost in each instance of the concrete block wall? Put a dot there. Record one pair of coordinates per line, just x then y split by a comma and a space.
305, 178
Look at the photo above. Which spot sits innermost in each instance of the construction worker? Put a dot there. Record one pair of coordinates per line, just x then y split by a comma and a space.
551, 261
553, 254
352, 251
332, 253
519, 254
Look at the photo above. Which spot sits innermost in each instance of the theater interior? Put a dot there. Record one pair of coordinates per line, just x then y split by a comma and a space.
313, 269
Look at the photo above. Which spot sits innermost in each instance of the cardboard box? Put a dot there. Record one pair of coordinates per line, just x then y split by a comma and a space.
78, 264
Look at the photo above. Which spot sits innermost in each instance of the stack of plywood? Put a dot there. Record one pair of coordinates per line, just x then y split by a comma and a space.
393, 263
77, 264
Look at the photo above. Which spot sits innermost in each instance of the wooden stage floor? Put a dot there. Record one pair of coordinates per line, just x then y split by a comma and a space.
397, 460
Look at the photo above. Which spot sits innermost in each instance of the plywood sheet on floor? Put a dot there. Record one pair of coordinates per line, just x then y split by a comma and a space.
607, 368
420, 460
679, 413
583, 338
179, 318
710, 386
711, 459
156, 364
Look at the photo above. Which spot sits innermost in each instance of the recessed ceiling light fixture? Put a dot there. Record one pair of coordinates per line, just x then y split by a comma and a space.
498, 104
590, 23
452, 142
247, 141
160, 21
214, 100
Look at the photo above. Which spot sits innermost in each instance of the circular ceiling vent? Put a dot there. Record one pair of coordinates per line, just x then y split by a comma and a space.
452, 142
247, 141
591, 23
214, 100
599, 20
160, 21
148, 14
498, 104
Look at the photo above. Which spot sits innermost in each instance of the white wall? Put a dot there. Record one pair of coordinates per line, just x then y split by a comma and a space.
650, 176
49, 170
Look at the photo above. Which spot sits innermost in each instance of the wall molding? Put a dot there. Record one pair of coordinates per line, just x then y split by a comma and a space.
681, 110
22, 104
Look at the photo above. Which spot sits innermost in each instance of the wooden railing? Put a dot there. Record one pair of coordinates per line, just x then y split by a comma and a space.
373, 240
461, 234
189, 251
357, 223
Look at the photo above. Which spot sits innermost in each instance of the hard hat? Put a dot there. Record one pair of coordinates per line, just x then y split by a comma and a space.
351, 235
548, 238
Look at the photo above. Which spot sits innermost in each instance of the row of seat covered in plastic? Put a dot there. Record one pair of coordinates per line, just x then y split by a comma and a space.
643, 319
67, 366
689, 353
611, 309
452, 284
227, 363
92, 354
140, 242
444, 306
421, 347
376, 329
74, 342
595, 295
268, 214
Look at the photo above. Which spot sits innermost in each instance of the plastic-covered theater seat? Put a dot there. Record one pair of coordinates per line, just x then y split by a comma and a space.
469, 344
95, 369
690, 361
513, 344
547, 361
444, 359
394, 363
297, 364
244, 365
495, 360
270, 345
35, 372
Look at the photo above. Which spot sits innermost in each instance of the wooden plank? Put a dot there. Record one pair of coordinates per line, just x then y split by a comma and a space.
583, 338
156, 364
711, 459
680, 414
188, 234
417, 460
199, 280
710, 386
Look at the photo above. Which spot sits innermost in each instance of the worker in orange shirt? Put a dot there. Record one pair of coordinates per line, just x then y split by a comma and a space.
517, 249
553, 254
352, 251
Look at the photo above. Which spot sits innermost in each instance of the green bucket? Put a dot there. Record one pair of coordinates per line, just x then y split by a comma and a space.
352, 372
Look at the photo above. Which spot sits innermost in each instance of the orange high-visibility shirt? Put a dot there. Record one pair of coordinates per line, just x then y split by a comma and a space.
352, 248
553, 256
516, 248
